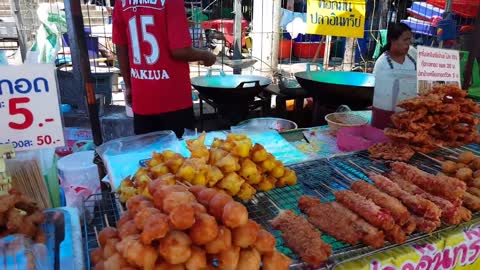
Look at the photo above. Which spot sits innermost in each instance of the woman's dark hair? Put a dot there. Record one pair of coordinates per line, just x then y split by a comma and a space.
395, 30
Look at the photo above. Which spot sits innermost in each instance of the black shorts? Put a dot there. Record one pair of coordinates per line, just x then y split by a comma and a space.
176, 121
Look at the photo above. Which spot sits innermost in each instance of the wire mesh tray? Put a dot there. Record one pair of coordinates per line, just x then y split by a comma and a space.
317, 178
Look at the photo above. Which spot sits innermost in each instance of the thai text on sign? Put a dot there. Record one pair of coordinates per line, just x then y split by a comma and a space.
29, 107
336, 18
437, 66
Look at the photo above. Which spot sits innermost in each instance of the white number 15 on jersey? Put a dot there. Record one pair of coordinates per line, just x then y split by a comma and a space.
145, 21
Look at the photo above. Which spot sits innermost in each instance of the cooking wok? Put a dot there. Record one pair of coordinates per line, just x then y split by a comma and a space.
227, 89
335, 88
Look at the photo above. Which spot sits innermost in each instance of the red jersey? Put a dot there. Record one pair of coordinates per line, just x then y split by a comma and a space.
152, 29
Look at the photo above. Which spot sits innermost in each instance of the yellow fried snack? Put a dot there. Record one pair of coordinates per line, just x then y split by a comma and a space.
242, 148
143, 180
227, 145
141, 171
236, 137
249, 171
174, 162
216, 143
231, 183
289, 179
246, 192
267, 183
197, 147
214, 175
168, 179
258, 153
186, 172
200, 179
228, 164
216, 154
268, 164
278, 171
159, 170
155, 160
168, 154
144, 191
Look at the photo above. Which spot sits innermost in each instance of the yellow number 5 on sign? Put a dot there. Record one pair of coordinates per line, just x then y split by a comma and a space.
336, 18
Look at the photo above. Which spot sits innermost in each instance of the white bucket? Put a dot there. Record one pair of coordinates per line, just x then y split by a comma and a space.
78, 177
128, 109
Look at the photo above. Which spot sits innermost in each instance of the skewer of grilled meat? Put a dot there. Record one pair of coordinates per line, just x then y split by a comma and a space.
398, 211
365, 208
330, 221
446, 187
425, 225
414, 203
302, 238
450, 212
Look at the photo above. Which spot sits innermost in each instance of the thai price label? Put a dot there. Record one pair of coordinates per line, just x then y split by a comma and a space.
336, 18
437, 67
29, 107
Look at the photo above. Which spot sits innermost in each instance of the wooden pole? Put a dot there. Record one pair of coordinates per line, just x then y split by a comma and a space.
237, 28
22, 39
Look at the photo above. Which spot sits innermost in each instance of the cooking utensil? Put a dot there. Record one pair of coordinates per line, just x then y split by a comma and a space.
334, 88
268, 123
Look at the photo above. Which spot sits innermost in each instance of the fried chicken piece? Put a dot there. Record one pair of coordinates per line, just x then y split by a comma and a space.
206, 195
198, 208
155, 228
217, 204
250, 259
365, 208
127, 229
163, 191
107, 233
204, 230
471, 201
198, 259
137, 203
164, 180
228, 259
196, 189
449, 188
115, 261
126, 216
398, 211
414, 203
265, 242
137, 254
145, 214
234, 214
182, 217
175, 248
245, 235
276, 261
370, 235
406, 136
175, 199
391, 151
167, 266
222, 242
328, 220
7, 202
302, 238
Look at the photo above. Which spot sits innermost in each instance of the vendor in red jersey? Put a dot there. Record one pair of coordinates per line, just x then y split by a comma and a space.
154, 47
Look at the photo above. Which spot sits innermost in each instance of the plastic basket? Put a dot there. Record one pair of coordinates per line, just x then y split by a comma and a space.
464, 8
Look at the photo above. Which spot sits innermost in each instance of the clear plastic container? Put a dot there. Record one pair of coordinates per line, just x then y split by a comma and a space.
19, 252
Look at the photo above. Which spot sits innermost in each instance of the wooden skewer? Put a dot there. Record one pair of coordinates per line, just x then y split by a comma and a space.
466, 148
96, 234
375, 169
343, 175
106, 220
328, 187
448, 149
431, 158
321, 195
274, 204
358, 167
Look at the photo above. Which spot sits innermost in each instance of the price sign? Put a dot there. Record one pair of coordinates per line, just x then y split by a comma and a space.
436, 67
29, 107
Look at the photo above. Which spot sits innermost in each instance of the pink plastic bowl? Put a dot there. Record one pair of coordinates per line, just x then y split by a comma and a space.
351, 139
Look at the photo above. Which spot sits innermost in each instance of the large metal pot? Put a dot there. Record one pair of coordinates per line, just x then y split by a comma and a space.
227, 89
335, 88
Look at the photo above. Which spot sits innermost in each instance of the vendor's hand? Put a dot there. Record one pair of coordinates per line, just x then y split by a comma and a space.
209, 59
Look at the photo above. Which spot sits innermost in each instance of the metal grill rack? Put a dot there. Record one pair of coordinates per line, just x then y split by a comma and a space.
319, 178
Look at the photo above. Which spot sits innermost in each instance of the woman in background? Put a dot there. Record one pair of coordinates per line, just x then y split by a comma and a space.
397, 53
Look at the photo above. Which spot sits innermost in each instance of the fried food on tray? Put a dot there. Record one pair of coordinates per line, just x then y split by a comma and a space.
414, 203
228, 164
471, 201
144, 215
245, 235
449, 188
214, 174
126, 216
204, 230
250, 259
464, 174
234, 214
116, 261
217, 204
258, 153
366, 208
137, 254
242, 147
137, 203
197, 147
302, 238
175, 248
288, 179
228, 259
449, 166
222, 242
205, 195
398, 211
246, 192
265, 242
110, 247
329, 220
391, 151
426, 225
174, 199
198, 259
155, 228
127, 229
105, 234
182, 217
276, 261
466, 157
267, 183
167, 266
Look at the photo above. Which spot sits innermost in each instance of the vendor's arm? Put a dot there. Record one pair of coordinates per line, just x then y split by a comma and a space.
120, 38
179, 39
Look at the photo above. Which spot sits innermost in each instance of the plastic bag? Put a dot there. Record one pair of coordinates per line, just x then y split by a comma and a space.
351, 139
121, 156
19, 252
